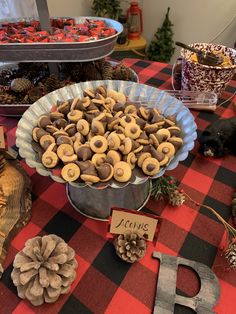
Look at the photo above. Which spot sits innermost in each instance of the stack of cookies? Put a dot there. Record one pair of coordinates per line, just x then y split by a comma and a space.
102, 135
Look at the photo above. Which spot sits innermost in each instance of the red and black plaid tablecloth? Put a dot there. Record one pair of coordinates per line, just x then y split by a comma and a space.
105, 284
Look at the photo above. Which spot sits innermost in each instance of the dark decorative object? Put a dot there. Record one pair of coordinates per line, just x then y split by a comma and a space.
109, 8
163, 47
219, 138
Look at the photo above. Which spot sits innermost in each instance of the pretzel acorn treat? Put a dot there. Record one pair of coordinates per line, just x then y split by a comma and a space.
101, 136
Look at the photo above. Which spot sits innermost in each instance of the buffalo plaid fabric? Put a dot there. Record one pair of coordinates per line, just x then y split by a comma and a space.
106, 284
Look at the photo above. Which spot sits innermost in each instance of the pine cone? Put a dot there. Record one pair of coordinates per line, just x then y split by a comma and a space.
52, 83
34, 94
23, 99
234, 208
130, 247
230, 254
21, 85
176, 198
107, 71
6, 98
44, 269
122, 72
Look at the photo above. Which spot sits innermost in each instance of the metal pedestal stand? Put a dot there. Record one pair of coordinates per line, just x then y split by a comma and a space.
97, 203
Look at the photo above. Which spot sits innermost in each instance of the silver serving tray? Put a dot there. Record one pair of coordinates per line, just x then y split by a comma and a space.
17, 110
156, 98
62, 51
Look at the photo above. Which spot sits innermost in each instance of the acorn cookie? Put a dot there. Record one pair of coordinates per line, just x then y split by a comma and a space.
49, 159
167, 149
70, 172
98, 144
122, 171
150, 166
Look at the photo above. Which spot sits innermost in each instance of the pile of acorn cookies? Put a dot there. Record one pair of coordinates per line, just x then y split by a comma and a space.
101, 136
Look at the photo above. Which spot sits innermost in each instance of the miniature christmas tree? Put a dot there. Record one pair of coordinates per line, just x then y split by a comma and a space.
162, 48
109, 8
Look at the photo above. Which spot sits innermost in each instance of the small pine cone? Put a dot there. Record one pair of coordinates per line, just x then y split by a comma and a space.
107, 71
130, 247
122, 72
176, 198
52, 83
21, 85
34, 94
230, 254
44, 269
6, 98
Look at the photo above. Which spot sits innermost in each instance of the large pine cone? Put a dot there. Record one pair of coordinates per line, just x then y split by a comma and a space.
6, 98
21, 85
44, 269
130, 247
52, 83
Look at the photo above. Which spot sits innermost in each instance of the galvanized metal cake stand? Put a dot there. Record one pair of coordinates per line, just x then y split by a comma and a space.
97, 203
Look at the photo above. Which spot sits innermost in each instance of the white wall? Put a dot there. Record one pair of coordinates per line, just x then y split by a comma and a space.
69, 7
194, 21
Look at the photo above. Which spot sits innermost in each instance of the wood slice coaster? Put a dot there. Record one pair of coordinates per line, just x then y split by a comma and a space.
15, 204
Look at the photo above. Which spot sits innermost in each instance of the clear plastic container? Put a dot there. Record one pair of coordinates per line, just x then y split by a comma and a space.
196, 100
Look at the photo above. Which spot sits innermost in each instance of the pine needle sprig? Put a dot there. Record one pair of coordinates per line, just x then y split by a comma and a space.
162, 187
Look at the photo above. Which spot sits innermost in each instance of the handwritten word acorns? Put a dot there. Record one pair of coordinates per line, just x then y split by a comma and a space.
102, 136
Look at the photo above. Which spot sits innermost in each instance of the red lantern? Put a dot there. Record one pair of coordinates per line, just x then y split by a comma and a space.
135, 20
